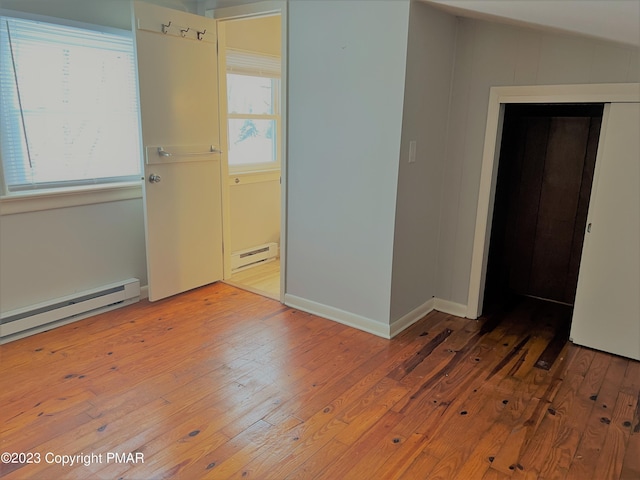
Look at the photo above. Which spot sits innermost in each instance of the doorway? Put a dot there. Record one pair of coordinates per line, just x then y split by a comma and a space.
545, 174
499, 98
251, 92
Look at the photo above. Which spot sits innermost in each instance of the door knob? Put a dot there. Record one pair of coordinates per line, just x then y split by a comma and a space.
153, 178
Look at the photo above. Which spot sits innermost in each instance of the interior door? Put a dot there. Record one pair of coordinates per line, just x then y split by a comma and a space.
177, 75
607, 307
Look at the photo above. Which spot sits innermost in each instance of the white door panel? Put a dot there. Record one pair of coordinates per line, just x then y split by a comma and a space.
178, 79
607, 306
177, 75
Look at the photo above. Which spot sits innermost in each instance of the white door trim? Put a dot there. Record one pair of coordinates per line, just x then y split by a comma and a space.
498, 97
259, 9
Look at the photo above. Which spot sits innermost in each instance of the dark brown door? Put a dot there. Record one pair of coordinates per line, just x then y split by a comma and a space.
545, 174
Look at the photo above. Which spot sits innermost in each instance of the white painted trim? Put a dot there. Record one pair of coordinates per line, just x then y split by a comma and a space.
224, 165
144, 292
69, 197
337, 315
284, 115
372, 326
498, 97
412, 317
451, 308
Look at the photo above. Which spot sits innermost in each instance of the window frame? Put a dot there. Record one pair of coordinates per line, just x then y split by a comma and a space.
69, 194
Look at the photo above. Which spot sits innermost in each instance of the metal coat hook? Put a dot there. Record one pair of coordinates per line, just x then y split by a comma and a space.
200, 34
183, 32
165, 28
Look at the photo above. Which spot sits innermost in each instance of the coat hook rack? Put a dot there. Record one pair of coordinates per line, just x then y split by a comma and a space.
165, 28
183, 32
200, 34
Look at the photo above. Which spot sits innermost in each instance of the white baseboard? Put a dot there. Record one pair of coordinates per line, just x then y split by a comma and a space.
412, 317
452, 308
144, 292
337, 315
372, 326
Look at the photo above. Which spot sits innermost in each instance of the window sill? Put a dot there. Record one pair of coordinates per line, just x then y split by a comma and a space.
243, 178
70, 197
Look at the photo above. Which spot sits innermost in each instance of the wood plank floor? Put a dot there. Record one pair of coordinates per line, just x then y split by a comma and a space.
221, 383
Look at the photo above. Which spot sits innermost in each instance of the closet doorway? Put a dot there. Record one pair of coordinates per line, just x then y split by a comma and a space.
545, 175
251, 94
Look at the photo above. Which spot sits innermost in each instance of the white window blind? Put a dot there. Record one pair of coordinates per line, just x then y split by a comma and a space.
249, 63
68, 106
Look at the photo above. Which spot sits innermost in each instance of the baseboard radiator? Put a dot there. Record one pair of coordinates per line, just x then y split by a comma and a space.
251, 257
60, 311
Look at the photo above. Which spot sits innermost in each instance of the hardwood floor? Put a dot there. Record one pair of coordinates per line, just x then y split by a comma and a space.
263, 279
221, 383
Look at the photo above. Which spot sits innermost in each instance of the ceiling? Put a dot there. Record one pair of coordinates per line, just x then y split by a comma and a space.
616, 20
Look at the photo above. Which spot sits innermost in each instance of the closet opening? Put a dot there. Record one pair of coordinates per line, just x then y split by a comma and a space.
545, 175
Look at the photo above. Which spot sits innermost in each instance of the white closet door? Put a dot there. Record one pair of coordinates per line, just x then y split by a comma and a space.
607, 306
177, 74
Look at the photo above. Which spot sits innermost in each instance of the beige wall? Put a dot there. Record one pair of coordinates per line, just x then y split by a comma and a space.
255, 214
489, 54
261, 35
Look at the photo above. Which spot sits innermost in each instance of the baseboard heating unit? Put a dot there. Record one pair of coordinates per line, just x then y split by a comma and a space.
60, 311
253, 256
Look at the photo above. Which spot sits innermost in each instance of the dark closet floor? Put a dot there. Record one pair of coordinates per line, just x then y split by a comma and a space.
538, 318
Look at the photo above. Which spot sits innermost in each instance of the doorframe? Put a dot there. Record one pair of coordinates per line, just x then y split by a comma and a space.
498, 98
251, 10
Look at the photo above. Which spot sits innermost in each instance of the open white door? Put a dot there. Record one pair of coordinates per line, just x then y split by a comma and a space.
177, 75
607, 306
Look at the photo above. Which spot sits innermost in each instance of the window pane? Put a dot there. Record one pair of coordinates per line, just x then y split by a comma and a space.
249, 94
252, 141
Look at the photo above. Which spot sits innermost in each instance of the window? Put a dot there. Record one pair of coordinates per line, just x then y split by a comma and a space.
253, 111
69, 106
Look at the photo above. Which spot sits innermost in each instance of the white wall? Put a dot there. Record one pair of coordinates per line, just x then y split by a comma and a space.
611, 20
430, 54
490, 54
346, 84
51, 253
